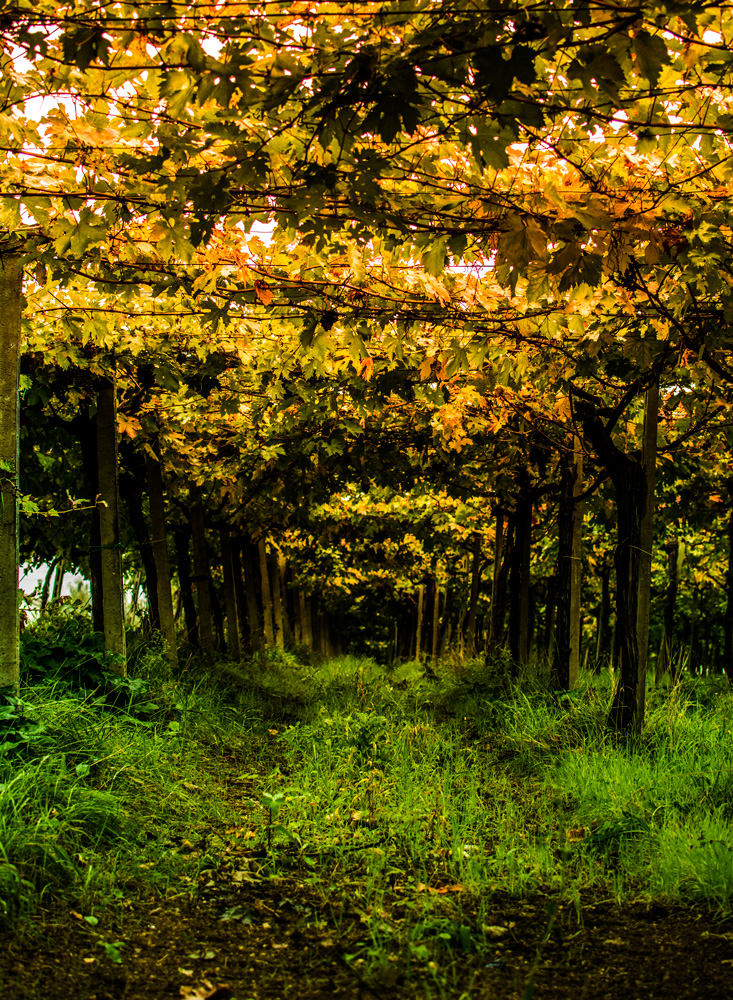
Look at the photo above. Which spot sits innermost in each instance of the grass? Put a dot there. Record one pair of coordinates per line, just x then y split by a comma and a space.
420, 801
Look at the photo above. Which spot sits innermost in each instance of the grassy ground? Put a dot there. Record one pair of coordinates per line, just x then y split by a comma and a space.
420, 802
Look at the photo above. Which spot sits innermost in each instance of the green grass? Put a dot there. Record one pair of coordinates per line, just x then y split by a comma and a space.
418, 800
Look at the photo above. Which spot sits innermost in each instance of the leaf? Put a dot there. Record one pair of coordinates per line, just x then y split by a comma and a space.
651, 54
130, 426
263, 292
434, 257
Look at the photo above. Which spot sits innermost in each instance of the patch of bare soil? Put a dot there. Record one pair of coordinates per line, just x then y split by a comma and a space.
278, 938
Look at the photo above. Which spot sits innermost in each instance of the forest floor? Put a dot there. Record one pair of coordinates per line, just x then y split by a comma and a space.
365, 848
278, 945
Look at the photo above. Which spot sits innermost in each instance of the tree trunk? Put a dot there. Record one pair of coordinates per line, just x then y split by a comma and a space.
604, 634
46, 589
566, 661
11, 298
435, 650
649, 463
305, 621
277, 603
159, 545
728, 620
230, 596
475, 585
251, 567
240, 595
266, 594
286, 597
672, 548
201, 571
499, 593
181, 537
58, 581
444, 621
498, 553
86, 428
630, 482
113, 588
132, 489
419, 624
519, 582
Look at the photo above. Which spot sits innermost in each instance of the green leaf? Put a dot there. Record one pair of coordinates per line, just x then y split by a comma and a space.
651, 54
434, 257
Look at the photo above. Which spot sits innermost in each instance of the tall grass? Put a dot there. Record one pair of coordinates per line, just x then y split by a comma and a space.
437, 795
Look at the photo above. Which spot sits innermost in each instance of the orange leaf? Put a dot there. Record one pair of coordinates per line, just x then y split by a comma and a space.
263, 292
128, 425
366, 368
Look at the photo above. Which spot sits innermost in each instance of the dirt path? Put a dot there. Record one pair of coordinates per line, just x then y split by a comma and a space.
277, 939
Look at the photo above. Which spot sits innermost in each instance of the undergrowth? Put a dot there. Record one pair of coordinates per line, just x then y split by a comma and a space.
432, 792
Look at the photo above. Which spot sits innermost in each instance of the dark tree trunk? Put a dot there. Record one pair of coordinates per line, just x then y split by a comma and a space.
495, 596
132, 489
447, 612
202, 573
728, 620
630, 482
603, 633
664, 663
113, 589
230, 595
475, 586
159, 546
519, 582
181, 538
251, 567
566, 661
11, 309
86, 429
499, 595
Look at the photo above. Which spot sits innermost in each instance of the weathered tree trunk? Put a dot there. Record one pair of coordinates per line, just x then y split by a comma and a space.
113, 588
566, 661
230, 596
519, 582
159, 545
201, 571
630, 481
475, 585
11, 292
266, 594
